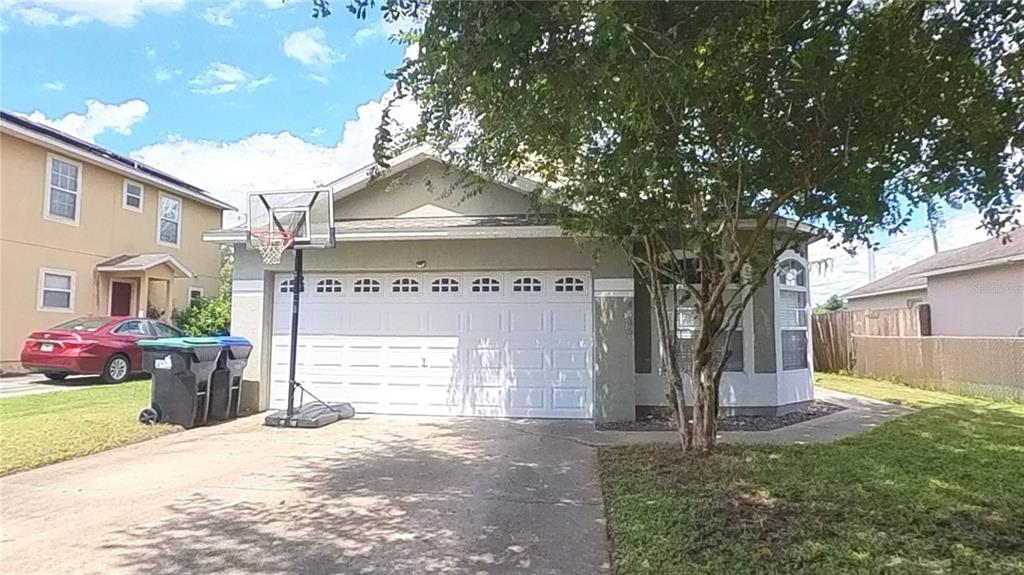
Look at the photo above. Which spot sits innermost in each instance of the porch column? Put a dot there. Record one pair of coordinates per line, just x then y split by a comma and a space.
168, 298
143, 294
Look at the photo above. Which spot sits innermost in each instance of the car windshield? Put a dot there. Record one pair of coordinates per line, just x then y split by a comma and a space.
83, 324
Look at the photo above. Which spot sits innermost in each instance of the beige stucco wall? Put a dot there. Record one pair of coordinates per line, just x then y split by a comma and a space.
889, 301
105, 229
428, 184
983, 302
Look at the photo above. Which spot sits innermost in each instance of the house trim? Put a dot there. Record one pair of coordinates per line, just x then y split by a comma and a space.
971, 267
888, 291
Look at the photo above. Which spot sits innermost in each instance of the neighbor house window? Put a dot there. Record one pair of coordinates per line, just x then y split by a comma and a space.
169, 223
195, 295
63, 190
56, 290
132, 196
793, 314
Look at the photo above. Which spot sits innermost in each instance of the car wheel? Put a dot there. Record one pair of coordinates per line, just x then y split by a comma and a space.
56, 376
117, 369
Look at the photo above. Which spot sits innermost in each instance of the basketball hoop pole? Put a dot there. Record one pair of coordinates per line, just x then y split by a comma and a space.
293, 348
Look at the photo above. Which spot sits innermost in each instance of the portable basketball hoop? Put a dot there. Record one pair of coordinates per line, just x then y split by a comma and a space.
271, 244
295, 220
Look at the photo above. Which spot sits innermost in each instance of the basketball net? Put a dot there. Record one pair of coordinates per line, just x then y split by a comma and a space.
271, 244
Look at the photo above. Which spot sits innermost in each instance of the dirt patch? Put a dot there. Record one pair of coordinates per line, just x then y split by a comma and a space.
662, 421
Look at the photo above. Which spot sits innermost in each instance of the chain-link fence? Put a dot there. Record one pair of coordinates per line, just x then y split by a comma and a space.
987, 366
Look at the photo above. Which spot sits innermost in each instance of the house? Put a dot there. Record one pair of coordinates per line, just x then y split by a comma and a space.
85, 231
438, 302
976, 290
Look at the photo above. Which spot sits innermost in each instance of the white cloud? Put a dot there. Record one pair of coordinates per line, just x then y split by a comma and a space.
150, 53
310, 48
318, 78
224, 14
315, 132
56, 86
163, 74
221, 78
365, 35
274, 4
120, 13
99, 117
266, 161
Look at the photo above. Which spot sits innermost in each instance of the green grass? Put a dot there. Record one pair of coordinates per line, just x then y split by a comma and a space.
938, 491
37, 430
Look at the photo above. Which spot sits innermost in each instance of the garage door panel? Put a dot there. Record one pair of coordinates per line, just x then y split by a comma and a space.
442, 353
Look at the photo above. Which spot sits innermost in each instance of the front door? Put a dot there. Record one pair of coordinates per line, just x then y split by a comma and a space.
120, 298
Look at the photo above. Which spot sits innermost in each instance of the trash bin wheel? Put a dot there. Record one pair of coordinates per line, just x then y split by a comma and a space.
149, 416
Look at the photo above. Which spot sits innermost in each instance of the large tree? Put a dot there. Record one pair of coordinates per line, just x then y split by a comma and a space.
702, 137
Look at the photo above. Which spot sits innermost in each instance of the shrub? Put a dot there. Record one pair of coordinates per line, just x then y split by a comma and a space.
206, 316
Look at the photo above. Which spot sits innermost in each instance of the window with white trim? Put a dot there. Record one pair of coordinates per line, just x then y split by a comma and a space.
444, 285
405, 285
366, 285
687, 323
520, 285
485, 285
793, 314
287, 286
56, 290
195, 295
329, 285
132, 196
169, 221
569, 284
63, 190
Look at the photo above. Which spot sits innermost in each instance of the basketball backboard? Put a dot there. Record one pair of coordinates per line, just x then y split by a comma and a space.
306, 216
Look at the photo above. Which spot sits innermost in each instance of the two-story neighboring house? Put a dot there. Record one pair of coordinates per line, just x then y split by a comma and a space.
85, 231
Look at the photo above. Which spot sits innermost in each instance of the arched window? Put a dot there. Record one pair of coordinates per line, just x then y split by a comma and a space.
528, 284
444, 285
405, 285
569, 284
794, 314
287, 286
366, 285
329, 285
486, 285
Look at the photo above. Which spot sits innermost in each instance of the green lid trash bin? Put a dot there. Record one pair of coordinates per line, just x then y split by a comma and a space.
182, 368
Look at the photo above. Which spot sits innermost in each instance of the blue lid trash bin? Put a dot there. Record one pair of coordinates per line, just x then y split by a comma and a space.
181, 368
226, 386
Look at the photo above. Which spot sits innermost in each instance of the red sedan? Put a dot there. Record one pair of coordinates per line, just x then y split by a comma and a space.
107, 346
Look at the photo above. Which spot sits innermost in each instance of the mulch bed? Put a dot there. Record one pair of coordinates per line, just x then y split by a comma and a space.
663, 421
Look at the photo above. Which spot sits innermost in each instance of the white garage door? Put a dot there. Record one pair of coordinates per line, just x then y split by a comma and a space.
495, 344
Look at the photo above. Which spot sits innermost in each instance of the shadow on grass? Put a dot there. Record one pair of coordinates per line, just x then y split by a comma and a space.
937, 491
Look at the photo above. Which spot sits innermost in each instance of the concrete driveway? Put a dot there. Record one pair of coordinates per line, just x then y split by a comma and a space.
374, 495
35, 383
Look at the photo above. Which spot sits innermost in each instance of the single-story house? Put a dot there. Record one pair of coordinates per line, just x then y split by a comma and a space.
454, 304
976, 290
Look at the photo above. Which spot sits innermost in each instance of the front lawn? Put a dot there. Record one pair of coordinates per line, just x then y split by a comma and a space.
40, 429
938, 491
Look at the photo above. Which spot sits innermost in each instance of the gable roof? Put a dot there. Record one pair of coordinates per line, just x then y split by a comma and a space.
55, 139
143, 262
1008, 247
361, 178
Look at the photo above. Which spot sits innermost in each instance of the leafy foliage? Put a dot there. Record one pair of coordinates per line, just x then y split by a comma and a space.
206, 316
718, 128
834, 303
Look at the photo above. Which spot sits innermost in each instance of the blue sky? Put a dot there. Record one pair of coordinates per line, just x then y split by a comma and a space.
238, 95
231, 95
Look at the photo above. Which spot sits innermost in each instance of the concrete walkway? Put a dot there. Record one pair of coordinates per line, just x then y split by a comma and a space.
861, 414
376, 495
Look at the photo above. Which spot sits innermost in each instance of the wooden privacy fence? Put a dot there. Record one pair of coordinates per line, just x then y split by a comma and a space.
987, 366
832, 332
